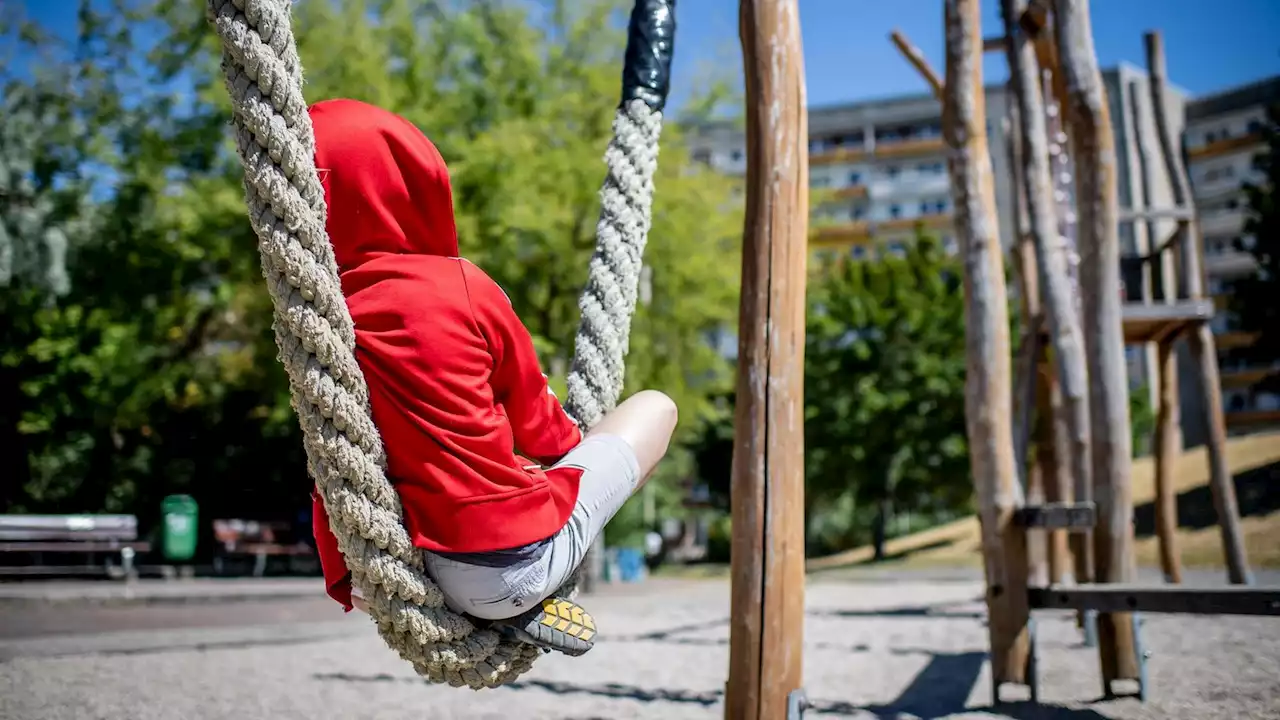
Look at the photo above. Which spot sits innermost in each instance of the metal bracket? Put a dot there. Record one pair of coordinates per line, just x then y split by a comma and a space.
797, 703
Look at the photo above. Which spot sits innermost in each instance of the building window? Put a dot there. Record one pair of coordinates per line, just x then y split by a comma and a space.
891, 171
855, 178
896, 248
702, 156
895, 211
859, 252
1236, 402
859, 212
736, 156
820, 181
949, 245
1210, 137
1255, 127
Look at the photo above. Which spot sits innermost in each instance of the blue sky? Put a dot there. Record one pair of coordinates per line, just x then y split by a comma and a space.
1210, 44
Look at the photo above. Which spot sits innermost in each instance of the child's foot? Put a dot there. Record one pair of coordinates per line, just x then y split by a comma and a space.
556, 624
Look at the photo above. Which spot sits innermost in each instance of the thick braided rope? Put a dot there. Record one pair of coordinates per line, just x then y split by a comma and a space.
609, 298
316, 340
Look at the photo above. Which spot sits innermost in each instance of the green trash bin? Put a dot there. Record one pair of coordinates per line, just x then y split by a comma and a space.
179, 513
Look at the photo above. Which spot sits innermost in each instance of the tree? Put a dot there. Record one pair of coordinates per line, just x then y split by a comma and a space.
884, 387
156, 372
1253, 297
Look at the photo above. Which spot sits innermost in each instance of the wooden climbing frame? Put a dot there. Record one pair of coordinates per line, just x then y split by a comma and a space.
1025, 528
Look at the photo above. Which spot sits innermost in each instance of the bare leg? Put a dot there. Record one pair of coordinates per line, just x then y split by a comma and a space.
646, 421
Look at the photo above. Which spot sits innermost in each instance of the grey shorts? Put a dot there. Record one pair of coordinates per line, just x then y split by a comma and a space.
494, 591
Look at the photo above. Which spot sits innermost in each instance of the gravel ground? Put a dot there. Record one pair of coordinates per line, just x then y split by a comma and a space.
873, 649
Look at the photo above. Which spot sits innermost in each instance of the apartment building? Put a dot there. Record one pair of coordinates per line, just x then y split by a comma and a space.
878, 168
1223, 136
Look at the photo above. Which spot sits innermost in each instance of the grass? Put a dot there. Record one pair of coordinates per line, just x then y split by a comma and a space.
958, 543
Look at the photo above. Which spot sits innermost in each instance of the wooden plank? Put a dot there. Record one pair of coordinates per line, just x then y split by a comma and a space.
1060, 515
918, 61
1159, 599
1200, 341
767, 606
1089, 119
987, 382
1160, 322
1063, 321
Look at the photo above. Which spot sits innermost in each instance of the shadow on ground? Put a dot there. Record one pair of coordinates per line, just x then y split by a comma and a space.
942, 688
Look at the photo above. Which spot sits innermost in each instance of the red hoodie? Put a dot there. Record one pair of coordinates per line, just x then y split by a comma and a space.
454, 382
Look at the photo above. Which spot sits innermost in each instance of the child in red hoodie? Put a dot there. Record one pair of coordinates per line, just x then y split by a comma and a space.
500, 489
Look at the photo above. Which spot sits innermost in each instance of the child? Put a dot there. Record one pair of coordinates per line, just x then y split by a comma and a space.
456, 392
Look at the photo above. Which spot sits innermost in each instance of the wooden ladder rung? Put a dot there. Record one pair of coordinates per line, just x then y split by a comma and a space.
1057, 516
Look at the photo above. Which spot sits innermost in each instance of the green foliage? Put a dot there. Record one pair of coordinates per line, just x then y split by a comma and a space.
153, 370
1254, 298
884, 390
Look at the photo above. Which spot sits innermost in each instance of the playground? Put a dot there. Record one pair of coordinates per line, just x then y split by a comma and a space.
879, 643
1036, 607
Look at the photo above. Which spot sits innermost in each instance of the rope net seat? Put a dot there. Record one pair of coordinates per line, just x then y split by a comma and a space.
316, 338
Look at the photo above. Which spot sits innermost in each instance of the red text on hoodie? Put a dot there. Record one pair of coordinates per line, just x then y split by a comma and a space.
454, 383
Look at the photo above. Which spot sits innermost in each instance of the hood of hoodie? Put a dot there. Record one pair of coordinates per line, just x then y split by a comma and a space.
385, 184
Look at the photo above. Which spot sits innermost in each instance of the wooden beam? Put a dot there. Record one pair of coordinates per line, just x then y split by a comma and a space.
1200, 341
1089, 119
987, 381
1192, 601
1063, 320
767, 630
918, 61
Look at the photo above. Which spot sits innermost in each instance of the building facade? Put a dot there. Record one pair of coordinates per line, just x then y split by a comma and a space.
1224, 135
878, 170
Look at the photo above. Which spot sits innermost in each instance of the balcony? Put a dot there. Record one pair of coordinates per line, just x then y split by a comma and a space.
1246, 377
1251, 418
932, 222
835, 156
910, 185
910, 148
851, 192
1232, 339
1223, 222
1218, 148
1230, 264
837, 235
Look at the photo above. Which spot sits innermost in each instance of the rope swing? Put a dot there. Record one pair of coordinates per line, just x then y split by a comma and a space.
316, 337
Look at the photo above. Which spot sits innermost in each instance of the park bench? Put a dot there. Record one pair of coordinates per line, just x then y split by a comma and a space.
236, 538
86, 537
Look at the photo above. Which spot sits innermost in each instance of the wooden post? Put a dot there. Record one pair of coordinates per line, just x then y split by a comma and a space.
1029, 415
1167, 434
767, 607
987, 382
1200, 339
1089, 119
1034, 22
1059, 300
